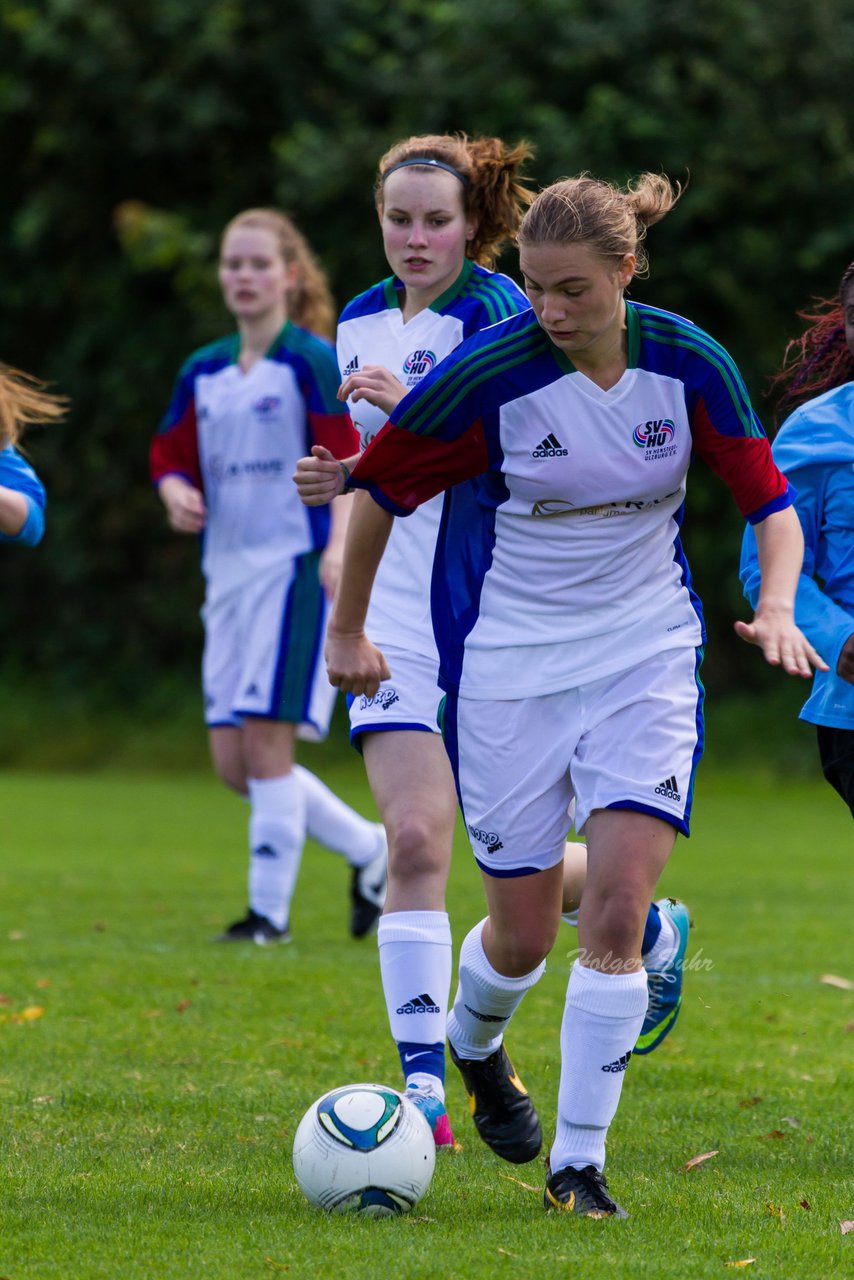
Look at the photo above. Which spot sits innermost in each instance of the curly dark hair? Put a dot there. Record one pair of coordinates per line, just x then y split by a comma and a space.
819, 359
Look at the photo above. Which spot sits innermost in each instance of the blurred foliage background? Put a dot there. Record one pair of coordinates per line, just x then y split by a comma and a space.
131, 133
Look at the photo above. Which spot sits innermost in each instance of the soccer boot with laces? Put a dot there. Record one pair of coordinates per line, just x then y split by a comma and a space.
254, 928
583, 1192
433, 1110
503, 1114
368, 889
665, 984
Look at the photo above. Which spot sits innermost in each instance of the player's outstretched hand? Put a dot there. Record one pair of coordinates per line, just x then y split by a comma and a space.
783, 644
184, 503
319, 478
374, 383
353, 664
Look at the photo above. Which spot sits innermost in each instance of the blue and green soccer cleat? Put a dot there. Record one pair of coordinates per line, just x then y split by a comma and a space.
433, 1110
665, 985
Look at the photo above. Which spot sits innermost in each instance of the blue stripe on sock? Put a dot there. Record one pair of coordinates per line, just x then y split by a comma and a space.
429, 1058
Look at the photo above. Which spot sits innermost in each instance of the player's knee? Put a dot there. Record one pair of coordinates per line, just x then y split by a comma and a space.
415, 852
518, 944
232, 775
619, 915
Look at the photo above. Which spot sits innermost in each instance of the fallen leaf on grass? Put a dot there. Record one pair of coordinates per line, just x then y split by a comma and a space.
182, 1006
509, 1178
695, 1160
17, 935
750, 1102
5, 1000
44, 1098
805, 1204
846, 1227
792, 1120
30, 1014
743, 1262
833, 980
43, 983
277, 1266
776, 1211
849, 1026
776, 1134
507, 1253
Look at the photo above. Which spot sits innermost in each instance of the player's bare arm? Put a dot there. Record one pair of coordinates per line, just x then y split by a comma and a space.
14, 510
780, 546
184, 503
353, 664
333, 555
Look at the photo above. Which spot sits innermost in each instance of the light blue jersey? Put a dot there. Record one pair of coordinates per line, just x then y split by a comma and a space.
814, 448
17, 474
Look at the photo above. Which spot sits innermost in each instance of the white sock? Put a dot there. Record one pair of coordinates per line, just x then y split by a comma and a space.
485, 1000
602, 1019
332, 823
276, 837
415, 962
665, 946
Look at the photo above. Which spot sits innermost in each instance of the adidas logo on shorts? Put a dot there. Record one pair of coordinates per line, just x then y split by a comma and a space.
352, 366
551, 447
669, 789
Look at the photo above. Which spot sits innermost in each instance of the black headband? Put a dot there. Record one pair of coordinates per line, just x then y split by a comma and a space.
431, 164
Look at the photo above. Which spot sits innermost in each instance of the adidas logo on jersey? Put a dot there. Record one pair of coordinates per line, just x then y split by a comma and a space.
619, 1065
551, 447
420, 1004
352, 366
669, 789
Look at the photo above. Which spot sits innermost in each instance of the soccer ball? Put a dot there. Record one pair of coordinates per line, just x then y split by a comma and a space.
364, 1149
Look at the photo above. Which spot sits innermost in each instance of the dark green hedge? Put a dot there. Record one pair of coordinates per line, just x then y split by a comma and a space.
130, 133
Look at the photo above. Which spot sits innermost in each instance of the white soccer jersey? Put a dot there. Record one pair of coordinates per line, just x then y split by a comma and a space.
238, 436
560, 563
372, 331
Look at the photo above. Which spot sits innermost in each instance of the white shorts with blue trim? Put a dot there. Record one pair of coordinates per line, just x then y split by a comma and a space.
263, 652
409, 700
628, 741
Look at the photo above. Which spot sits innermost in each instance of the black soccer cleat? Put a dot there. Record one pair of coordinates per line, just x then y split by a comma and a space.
503, 1114
254, 928
581, 1191
367, 892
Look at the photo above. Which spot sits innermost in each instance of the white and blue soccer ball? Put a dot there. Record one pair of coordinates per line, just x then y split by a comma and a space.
366, 1149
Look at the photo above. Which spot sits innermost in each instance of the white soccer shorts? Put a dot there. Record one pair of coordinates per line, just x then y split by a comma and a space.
628, 741
409, 700
263, 652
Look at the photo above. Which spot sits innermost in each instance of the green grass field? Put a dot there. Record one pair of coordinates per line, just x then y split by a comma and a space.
151, 1082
